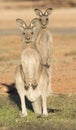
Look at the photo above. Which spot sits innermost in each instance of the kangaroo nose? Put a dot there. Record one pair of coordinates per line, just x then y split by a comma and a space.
28, 38
44, 23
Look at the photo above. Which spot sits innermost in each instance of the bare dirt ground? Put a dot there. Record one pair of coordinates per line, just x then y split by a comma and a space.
64, 62
64, 49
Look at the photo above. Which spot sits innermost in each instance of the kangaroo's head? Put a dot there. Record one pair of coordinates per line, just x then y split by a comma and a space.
43, 16
27, 31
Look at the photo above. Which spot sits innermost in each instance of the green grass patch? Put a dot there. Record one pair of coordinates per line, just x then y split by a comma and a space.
62, 114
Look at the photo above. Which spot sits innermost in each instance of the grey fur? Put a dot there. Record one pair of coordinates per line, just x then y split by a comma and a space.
31, 73
44, 41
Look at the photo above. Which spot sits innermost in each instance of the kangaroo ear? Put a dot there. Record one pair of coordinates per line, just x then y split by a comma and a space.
38, 12
22, 25
35, 23
48, 11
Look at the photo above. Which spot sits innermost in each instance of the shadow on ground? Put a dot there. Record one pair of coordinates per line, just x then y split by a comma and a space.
14, 97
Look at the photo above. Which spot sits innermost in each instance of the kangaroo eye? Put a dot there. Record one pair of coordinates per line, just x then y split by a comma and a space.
47, 19
23, 33
32, 33
40, 19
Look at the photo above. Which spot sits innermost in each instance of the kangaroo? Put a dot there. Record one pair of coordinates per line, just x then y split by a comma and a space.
44, 40
31, 76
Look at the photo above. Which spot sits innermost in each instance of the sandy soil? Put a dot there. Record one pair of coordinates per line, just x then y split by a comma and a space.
64, 49
64, 62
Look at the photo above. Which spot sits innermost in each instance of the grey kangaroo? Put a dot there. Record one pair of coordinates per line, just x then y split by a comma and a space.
44, 40
31, 76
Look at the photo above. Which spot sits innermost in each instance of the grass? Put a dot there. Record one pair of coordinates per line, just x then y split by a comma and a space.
62, 114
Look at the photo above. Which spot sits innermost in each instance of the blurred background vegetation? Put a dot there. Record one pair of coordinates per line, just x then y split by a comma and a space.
39, 3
